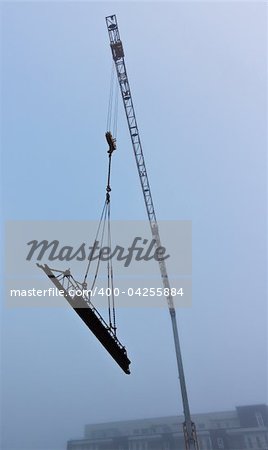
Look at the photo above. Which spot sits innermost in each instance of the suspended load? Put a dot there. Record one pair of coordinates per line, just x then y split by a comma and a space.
81, 304
91, 317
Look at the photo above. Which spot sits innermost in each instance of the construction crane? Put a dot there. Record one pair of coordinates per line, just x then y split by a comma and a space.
189, 428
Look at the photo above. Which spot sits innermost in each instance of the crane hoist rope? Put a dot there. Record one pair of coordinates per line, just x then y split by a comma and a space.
104, 231
112, 112
104, 226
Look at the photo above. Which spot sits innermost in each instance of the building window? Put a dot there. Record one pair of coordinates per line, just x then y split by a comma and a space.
259, 419
220, 442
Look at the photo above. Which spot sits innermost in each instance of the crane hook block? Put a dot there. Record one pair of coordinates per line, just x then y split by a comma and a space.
111, 141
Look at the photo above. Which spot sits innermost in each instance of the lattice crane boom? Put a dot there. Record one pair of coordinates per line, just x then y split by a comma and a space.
118, 57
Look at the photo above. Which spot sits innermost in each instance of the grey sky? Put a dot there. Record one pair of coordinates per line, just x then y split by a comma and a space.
197, 74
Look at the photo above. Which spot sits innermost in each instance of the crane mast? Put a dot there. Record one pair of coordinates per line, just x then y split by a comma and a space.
189, 429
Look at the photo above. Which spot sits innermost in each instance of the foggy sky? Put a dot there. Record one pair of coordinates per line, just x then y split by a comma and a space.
197, 74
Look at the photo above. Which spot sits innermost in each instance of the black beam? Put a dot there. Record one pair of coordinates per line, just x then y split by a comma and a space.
94, 322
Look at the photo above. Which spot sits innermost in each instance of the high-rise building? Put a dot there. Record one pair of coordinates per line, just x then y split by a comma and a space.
246, 427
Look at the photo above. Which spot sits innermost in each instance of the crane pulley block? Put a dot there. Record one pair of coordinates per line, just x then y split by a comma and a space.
111, 141
117, 50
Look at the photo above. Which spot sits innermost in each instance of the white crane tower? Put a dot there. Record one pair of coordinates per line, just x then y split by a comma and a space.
189, 429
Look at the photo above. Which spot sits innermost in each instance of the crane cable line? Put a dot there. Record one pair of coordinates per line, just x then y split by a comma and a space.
111, 134
111, 302
103, 214
112, 112
104, 226
115, 109
104, 232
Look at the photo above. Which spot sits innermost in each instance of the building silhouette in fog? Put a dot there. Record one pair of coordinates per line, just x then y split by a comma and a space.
246, 427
